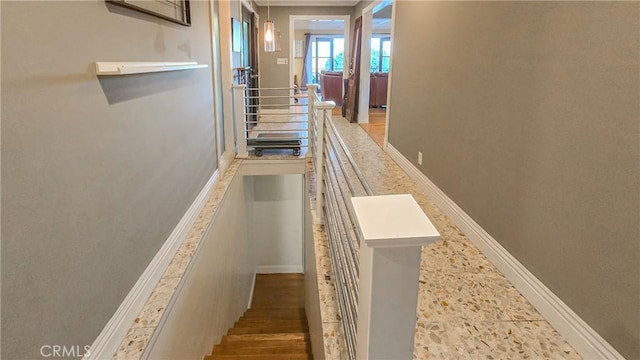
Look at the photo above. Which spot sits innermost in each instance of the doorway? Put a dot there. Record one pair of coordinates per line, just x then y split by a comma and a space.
249, 73
375, 69
319, 44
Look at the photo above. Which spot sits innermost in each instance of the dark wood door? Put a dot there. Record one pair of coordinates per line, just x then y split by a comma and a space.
353, 82
250, 63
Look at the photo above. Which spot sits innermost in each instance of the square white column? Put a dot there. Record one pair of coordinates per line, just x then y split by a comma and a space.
394, 228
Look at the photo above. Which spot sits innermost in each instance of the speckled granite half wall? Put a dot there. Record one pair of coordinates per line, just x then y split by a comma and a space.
466, 308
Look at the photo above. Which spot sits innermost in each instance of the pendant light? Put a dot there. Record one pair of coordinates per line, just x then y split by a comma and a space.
269, 32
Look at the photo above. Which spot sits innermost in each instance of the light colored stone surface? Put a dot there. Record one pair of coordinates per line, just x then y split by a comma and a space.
466, 308
334, 346
134, 344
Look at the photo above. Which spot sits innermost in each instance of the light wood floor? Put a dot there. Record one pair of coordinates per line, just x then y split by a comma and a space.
275, 327
376, 126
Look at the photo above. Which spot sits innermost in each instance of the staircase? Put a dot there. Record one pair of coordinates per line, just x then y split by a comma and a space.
275, 327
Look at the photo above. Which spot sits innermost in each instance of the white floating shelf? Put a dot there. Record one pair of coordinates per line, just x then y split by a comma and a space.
124, 68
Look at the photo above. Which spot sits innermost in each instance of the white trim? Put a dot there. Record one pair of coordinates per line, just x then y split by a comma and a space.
365, 67
307, 3
225, 160
226, 65
107, 342
272, 167
386, 120
142, 67
365, 57
249, 5
279, 269
253, 287
587, 342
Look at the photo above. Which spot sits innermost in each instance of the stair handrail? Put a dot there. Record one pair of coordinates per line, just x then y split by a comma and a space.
275, 113
347, 208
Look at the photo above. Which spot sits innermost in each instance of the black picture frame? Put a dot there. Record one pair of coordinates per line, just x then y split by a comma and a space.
176, 11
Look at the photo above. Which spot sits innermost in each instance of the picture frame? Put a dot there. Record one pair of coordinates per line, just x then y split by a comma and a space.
176, 11
236, 35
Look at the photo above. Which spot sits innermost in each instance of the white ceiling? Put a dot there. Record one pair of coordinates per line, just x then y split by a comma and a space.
307, 2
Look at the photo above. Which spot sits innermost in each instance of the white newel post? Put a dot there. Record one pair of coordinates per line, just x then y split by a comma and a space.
238, 120
394, 228
311, 98
324, 110
312, 90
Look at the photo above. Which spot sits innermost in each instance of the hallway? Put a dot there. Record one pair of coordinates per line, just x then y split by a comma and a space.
133, 199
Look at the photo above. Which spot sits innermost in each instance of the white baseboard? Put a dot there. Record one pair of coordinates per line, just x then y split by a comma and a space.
253, 287
279, 269
107, 342
587, 342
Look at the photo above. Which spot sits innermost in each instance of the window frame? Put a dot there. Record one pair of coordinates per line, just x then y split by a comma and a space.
382, 39
330, 38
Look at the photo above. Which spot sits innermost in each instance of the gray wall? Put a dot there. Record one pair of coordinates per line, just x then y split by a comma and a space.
216, 287
273, 75
276, 229
527, 117
96, 171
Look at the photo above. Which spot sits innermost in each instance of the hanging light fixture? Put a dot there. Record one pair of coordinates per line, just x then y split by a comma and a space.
269, 32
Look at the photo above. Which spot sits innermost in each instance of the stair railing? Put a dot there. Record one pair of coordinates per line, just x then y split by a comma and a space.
338, 178
269, 119
375, 267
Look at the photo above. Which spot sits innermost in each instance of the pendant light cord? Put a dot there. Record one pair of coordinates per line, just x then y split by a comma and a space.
268, 9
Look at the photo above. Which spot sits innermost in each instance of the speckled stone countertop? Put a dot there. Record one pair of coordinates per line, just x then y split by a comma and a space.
466, 308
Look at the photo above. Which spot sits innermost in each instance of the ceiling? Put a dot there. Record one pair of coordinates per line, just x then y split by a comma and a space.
315, 25
307, 2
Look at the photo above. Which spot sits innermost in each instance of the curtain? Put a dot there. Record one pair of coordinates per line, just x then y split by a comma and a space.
306, 64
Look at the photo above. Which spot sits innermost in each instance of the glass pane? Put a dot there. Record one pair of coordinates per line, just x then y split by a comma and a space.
338, 45
375, 61
245, 43
338, 62
386, 48
338, 54
324, 49
385, 64
313, 49
375, 55
324, 63
375, 43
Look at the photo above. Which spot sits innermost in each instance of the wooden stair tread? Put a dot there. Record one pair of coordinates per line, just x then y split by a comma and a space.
275, 327
300, 348
267, 330
261, 357
273, 314
263, 343
293, 337
271, 322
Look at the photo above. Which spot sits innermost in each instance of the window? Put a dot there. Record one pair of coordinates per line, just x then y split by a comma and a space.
245, 43
327, 53
380, 53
